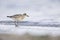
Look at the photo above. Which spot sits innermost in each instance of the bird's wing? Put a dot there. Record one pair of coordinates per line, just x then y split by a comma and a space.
17, 15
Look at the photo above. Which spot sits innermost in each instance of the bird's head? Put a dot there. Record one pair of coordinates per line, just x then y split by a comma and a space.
26, 15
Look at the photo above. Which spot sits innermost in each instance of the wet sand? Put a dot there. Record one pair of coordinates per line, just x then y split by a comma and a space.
27, 37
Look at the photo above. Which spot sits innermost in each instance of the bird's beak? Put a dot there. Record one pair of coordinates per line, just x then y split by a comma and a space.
27, 15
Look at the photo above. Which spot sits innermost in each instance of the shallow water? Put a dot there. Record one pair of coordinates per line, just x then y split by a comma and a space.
33, 30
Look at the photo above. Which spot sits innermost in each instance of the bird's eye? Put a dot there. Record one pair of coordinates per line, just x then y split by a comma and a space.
24, 14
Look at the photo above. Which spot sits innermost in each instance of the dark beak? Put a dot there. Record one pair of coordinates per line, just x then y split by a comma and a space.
27, 15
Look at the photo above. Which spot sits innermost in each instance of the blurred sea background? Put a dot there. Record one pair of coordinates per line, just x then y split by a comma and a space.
42, 11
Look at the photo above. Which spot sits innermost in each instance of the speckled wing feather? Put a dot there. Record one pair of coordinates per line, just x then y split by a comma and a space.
17, 15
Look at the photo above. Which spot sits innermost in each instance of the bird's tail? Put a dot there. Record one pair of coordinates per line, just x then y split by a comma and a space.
9, 16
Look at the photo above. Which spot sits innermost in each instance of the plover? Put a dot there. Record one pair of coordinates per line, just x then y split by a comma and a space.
18, 17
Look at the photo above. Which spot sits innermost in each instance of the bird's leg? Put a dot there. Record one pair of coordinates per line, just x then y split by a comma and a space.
16, 23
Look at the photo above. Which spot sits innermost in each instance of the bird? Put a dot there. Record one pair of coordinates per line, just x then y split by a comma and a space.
18, 17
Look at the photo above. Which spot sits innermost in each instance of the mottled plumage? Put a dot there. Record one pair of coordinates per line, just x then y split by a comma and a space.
18, 17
